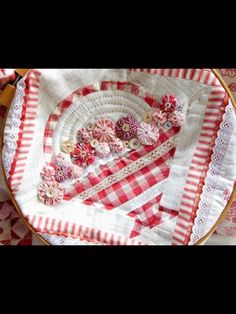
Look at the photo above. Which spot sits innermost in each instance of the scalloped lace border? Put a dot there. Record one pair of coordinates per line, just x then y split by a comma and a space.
221, 144
61, 240
12, 129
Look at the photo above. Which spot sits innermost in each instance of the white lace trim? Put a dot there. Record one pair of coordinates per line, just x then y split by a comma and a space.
61, 240
221, 144
12, 127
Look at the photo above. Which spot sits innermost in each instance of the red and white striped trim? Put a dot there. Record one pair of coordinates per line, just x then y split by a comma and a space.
204, 76
67, 229
26, 129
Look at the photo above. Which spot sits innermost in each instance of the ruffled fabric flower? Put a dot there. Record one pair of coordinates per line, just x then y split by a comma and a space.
160, 117
126, 128
168, 103
84, 135
148, 134
116, 145
83, 154
50, 193
63, 173
48, 173
102, 150
76, 172
176, 118
60, 160
104, 130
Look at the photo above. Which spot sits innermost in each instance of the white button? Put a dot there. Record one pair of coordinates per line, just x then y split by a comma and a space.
167, 125
134, 143
126, 144
67, 147
147, 117
90, 126
94, 143
125, 127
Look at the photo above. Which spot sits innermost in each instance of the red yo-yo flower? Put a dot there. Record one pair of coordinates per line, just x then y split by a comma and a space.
168, 103
83, 154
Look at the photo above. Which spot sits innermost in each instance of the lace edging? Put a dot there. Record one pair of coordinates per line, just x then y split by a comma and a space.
62, 240
221, 144
13, 124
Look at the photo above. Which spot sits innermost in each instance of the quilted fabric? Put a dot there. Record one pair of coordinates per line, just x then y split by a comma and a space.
170, 192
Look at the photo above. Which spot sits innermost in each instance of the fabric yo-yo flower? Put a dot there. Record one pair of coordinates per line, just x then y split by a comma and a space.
48, 173
126, 128
61, 161
104, 130
168, 103
83, 154
147, 134
102, 150
84, 135
76, 171
176, 118
63, 173
160, 117
50, 193
116, 145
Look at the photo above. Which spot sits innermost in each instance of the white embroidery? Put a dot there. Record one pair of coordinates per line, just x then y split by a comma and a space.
221, 144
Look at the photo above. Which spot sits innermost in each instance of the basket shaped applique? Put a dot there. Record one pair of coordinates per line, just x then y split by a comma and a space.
120, 156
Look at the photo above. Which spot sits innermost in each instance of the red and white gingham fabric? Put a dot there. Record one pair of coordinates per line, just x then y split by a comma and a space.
151, 213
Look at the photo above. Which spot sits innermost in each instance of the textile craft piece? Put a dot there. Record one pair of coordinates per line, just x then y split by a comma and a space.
124, 197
